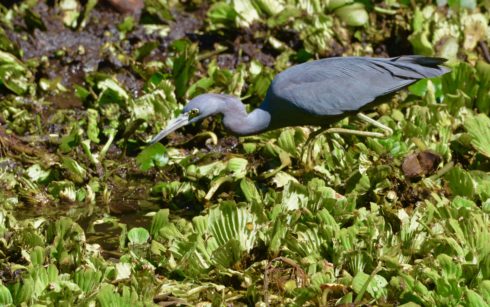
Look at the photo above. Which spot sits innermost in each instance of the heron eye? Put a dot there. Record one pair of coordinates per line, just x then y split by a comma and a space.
193, 112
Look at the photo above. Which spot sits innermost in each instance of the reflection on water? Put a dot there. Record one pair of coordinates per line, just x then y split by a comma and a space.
103, 224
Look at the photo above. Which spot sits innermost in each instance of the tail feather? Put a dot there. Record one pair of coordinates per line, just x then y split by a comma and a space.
420, 59
418, 66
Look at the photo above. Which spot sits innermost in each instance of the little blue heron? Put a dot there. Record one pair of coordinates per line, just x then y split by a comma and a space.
316, 93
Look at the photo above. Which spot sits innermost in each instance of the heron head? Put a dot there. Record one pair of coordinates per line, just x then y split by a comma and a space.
197, 109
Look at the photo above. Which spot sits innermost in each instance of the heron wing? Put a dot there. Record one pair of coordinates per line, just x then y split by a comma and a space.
335, 86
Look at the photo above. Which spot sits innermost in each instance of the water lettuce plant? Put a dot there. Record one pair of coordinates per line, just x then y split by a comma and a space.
90, 214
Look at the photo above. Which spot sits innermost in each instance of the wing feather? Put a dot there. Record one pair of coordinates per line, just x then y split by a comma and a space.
334, 86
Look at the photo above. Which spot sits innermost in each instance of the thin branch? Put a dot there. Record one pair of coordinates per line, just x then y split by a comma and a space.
484, 49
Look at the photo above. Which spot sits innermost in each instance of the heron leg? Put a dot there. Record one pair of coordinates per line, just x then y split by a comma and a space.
387, 131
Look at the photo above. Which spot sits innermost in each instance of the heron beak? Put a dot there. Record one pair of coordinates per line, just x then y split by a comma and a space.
174, 124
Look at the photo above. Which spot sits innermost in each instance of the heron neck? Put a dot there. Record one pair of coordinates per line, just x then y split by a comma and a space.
240, 122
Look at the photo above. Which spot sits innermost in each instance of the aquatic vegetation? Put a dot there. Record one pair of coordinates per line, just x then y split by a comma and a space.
91, 214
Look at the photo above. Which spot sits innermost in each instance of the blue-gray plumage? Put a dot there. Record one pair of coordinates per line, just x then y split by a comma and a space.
316, 93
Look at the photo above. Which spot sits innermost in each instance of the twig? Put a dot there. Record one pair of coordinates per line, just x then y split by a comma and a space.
484, 49
299, 271
360, 295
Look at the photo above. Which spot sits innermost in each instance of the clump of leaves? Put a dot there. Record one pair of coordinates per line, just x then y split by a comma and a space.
242, 222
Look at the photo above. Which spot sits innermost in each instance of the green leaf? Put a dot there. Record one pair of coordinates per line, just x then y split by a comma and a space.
5, 296
460, 86
353, 14
479, 128
283, 17
157, 105
14, 78
420, 42
222, 14
375, 286
460, 182
153, 155
33, 20
159, 8
250, 191
474, 299
335, 4
419, 88
52, 272
138, 235
75, 171
22, 291
228, 254
87, 10
37, 174
483, 98
111, 92
227, 222
200, 86
281, 179
37, 256
247, 13
462, 4
359, 282
13, 74
485, 290
71, 140
269, 7
123, 271
70, 10
309, 243
92, 125
485, 268
184, 65
6, 44
87, 279
358, 182
345, 300
277, 235
238, 167
286, 141
126, 26
449, 268
159, 220
109, 297
449, 48
106, 296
